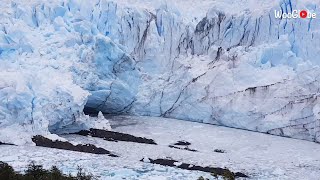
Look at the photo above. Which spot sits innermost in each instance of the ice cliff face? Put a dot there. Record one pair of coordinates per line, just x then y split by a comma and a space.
227, 63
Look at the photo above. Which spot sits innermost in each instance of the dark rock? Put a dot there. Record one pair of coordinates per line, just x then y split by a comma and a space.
239, 174
182, 143
213, 170
87, 148
219, 151
184, 148
115, 136
1, 143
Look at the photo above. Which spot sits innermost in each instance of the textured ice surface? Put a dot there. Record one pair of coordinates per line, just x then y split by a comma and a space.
219, 62
258, 155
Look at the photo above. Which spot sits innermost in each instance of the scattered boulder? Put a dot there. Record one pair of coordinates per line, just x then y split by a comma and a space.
215, 171
1, 143
87, 148
182, 143
115, 136
219, 151
183, 148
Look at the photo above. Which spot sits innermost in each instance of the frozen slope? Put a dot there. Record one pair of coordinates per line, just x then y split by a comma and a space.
219, 62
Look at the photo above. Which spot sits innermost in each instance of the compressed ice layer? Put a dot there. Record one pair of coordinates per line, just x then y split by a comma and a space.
37, 102
48, 74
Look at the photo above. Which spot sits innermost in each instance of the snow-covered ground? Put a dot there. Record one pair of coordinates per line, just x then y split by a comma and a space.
258, 155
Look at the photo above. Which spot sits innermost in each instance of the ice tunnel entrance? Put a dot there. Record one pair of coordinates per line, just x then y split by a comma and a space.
113, 81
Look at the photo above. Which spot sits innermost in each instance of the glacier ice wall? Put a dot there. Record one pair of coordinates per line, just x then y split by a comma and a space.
234, 65
52, 65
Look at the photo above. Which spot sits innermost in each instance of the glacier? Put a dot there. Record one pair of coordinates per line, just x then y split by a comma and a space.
225, 63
